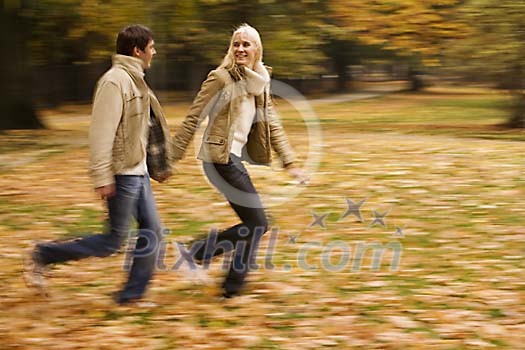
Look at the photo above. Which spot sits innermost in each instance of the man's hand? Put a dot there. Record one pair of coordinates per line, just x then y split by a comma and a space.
107, 191
299, 174
163, 178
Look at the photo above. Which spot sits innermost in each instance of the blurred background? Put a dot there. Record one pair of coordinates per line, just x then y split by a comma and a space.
422, 110
55, 50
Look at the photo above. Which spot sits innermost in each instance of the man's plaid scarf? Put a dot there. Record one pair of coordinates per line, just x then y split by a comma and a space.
159, 166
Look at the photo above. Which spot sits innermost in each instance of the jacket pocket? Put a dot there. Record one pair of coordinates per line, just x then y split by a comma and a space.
134, 105
134, 124
215, 140
214, 149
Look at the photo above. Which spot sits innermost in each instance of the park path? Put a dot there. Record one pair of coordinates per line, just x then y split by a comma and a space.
339, 98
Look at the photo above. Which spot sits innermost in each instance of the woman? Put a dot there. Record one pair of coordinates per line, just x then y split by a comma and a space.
242, 126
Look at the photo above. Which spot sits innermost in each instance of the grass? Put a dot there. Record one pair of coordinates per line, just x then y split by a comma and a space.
437, 160
436, 111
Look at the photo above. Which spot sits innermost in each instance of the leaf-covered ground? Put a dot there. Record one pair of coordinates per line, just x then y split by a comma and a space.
446, 177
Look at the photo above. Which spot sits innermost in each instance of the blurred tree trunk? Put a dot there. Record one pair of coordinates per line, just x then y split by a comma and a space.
16, 102
341, 68
416, 81
495, 47
517, 119
514, 82
342, 53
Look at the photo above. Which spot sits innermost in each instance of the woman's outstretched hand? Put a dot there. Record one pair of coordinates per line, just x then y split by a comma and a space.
299, 174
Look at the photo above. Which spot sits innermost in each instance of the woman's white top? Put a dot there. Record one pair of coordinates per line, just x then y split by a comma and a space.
255, 82
244, 124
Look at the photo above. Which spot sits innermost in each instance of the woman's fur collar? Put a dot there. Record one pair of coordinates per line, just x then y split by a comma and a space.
256, 78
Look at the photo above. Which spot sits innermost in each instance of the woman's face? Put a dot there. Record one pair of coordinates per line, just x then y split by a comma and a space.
244, 49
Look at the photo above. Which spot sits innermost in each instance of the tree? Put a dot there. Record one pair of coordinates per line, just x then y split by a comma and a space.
299, 37
16, 102
53, 32
494, 49
416, 30
199, 31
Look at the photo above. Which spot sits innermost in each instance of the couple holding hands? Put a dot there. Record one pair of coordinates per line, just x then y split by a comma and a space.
130, 142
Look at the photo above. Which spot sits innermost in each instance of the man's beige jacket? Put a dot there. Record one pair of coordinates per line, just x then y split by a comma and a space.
118, 134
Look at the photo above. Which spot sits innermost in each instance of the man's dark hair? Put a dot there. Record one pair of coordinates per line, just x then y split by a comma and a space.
131, 36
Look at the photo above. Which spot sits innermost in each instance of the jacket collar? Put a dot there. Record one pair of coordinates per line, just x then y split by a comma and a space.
130, 64
254, 80
257, 79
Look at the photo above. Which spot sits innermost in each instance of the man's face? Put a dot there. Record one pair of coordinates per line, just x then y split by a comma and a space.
147, 55
244, 49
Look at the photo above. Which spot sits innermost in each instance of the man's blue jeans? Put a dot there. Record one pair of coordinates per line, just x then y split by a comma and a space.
133, 198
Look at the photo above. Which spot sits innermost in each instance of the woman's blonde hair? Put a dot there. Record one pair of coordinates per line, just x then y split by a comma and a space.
228, 61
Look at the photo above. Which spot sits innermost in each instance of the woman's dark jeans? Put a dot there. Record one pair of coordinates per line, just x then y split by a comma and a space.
233, 181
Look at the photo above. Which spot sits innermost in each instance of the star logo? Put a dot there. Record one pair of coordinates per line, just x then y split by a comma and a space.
379, 218
318, 220
399, 232
292, 239
353, 209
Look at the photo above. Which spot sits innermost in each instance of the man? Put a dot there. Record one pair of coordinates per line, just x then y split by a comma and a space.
124, 151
